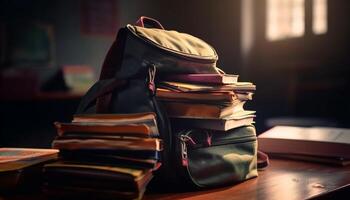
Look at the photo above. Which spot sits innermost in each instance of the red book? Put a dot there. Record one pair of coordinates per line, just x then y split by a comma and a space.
204, 78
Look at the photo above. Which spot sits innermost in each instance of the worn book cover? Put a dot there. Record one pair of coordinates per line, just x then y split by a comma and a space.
201, 110
169, 95
235, 120
139, 130
122, 143
190, 87
132, 118
204, 78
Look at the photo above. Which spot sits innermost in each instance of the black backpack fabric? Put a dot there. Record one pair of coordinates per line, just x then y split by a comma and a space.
136, 61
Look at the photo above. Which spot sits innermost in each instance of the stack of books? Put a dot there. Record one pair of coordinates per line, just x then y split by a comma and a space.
208, 101
105, 155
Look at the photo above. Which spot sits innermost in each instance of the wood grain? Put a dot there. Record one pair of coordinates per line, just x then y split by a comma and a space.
283, 179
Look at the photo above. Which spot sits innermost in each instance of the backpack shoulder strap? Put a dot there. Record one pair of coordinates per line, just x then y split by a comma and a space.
110, 67
99, 89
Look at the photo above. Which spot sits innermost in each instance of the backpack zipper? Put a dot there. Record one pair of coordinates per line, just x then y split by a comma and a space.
185, 140
227, 141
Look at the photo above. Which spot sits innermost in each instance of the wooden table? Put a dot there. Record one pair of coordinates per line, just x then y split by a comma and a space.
283, 179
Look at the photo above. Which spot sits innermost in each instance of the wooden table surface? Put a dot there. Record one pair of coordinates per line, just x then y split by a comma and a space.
283, 179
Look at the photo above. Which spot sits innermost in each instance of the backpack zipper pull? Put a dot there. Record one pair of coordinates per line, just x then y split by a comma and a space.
184, 156
151, 77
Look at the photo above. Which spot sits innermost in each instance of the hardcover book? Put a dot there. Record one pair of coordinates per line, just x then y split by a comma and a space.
204, 78
311, 141
190, 87
202, 111
168, 95
141, 130
132, 118
236, 120
121, 143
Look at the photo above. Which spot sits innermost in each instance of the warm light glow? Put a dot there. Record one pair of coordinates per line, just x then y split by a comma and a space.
247, 29
285, 19
319, 18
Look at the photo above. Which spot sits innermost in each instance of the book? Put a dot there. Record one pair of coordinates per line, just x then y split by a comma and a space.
137, 154
234, 121
21, 167
312, 141
244, 96
112, 144
109, 159
132, 118
202, 111
168, 95
81, 128
122, 182
204, 78
126, 121
190, 87
19, 158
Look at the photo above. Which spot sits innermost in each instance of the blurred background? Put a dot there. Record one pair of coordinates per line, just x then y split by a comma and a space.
295, 51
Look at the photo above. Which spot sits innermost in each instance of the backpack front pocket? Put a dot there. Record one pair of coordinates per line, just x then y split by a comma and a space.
214, 159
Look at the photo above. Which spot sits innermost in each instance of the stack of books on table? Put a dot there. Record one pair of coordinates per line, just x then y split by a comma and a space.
208, 101
104, 155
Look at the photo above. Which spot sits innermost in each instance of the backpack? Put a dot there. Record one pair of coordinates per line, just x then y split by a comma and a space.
139, 57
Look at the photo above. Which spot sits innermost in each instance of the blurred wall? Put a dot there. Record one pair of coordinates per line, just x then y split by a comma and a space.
300, 77
216, 23
72, 47
306, 76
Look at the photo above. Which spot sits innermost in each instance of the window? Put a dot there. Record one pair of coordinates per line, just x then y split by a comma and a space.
286, 18
319, 16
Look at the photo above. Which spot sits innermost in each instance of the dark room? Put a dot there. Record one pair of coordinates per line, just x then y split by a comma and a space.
182, 99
